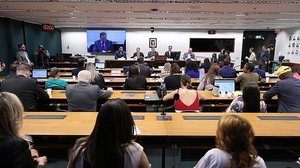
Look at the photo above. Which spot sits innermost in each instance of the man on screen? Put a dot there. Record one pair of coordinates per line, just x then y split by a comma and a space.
103, 45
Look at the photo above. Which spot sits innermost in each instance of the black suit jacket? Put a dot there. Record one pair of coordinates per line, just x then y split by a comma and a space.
167, 54
14, 152
172, 82
26, 89
135, 83
144, 70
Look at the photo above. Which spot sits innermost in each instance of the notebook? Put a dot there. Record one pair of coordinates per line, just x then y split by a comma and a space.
39, 73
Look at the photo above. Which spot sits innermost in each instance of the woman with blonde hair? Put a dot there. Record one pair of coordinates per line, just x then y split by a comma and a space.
14, 151
166, 71
97, 79
234, 142
207, 82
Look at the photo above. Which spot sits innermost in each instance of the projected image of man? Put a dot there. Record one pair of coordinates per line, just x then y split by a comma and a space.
103, 45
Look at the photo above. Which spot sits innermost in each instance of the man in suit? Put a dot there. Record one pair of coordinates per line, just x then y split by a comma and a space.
152, 53
189, 54
22, 55
264, 59
103, 45
120, 53
168, 54
26, 88
138, 53
144, 68
83, 96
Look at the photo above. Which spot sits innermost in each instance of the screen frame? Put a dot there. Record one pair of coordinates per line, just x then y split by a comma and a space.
233, 47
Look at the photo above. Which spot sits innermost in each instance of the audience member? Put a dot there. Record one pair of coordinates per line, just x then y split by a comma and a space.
41, 57
120, 53
247, 76
103, 45
249, 101
287, 91
96, 79
55, 82
168, 54
26, 88
138, 53
205, 65
83, 96
252, 56
234, 142
14, 151
173, 81
296, 72
166, 71
207, 83
189, 54
186, 98
191, 69
144, 68
111, 143
214, 58
80, 67
12, 70
152, 53
135, 81
22, 55
226, 71
259, 71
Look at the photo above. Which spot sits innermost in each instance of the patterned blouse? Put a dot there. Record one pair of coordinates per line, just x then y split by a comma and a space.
237, 105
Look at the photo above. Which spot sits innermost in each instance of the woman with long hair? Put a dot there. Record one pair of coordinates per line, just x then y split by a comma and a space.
249, 101
111, 143
166, 71
96, 79
135, 81
207, 82
55, 82
173, 81
205, 65
191, 69
186, 98
234, 146
14, 150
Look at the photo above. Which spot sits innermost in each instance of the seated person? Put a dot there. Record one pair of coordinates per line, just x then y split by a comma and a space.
189, 54
138, 53
144, 68
247, 76
259, 71
135, 81
12, 70
205, 65
226, 71
186, 98
55, 82
207, 82
152, 53
168, 54
191, 69
96, 79
80, 67
111, 143
173, 81
83, 96
166, 71
249, 101
234, 146
296, 72
120, 53
14, 151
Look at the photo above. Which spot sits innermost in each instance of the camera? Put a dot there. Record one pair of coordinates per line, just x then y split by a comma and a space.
151, 29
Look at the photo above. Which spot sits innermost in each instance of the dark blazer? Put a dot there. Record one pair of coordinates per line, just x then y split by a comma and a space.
135, 83
135, 55
15, 153
173, 82
77, 70
168, 54
152, 54
99, 47
99, 81
144, 70
27, 90
120, 54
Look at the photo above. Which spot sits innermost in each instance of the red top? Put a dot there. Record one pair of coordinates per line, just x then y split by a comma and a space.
180, 106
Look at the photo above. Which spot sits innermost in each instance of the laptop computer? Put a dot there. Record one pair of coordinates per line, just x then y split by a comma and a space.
225, 85
39, 73
100, 65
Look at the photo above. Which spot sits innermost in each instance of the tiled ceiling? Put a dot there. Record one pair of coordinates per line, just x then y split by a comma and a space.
171, 14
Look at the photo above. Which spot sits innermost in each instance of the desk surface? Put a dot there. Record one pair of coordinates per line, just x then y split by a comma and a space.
82, 123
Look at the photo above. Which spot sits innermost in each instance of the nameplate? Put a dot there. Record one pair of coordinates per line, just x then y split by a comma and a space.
278, 117
201, 117
135, 117
44, 116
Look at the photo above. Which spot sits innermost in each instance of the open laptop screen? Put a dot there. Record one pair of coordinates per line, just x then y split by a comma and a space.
100, 65
225, 85
39, 73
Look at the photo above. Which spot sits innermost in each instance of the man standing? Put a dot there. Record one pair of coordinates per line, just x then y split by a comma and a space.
83, 96
22, 55
264, 58
189, 54
168, 54
120, 53
26, 88
41, 57
287, 91
103, 45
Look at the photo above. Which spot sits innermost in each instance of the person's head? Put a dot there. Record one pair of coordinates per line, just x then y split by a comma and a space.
271, 47
113, 131
13, 67
248, 67
152, 49
23, 69
191, 65
226, 62
92, 69
223, 51
140, 60
190, 50
134, 70
251, 97
84, 76
103, 36
138, 49
206, 61
251, 50
80, 62
227, 53
256, 64
167, 67
41, 47
175, 69
235, 136
170, 48
11, 110
186, 81
54, 72
120, 48
21, 47
263, 48
284, 72
213, 71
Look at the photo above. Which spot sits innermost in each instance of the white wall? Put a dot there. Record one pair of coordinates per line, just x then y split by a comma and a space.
75, 41
282, 43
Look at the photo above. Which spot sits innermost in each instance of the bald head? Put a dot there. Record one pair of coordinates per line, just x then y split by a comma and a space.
84, 76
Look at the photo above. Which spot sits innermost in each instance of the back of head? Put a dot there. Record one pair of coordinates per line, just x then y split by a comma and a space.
54, 72
92, 69
167, 66
84, 76
23, 69
186, 81
284, 72
235, 136
251, 97
11, 111
80, 62
113, 131
249, 66
213, 71
206, 60
175, 68
134, 70
226, 62
140, 60
13, 67
191, 65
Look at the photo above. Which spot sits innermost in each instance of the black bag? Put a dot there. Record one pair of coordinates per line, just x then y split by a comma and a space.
161, 90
